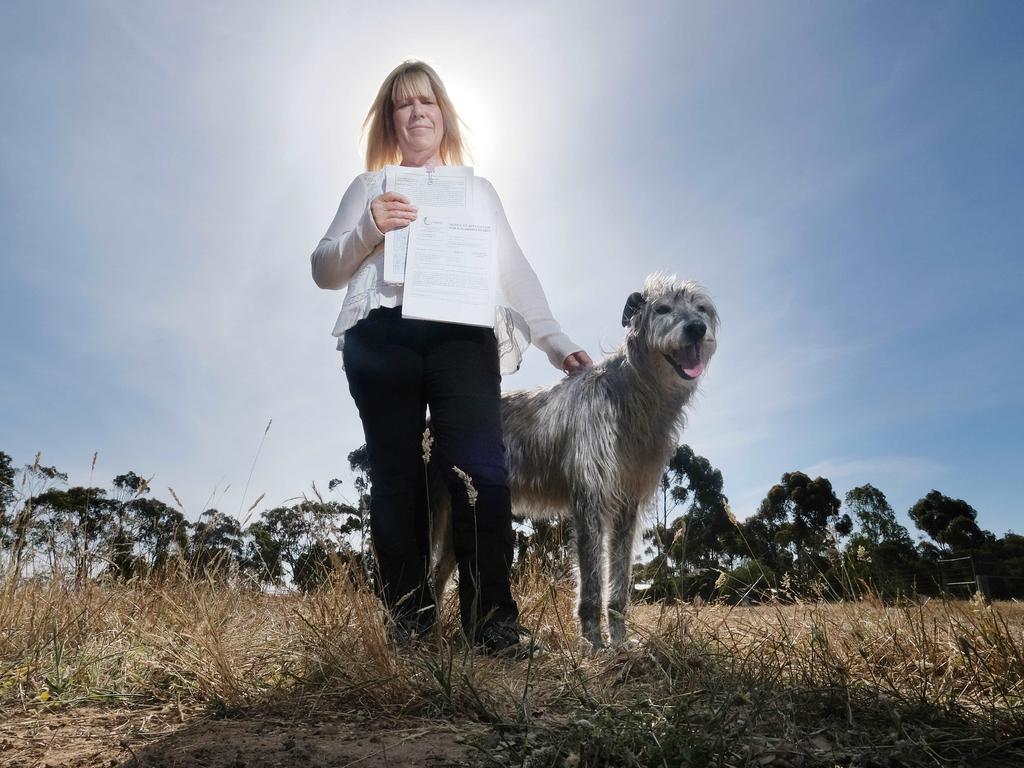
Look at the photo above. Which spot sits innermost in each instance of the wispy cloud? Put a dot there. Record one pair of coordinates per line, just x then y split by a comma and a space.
878, 469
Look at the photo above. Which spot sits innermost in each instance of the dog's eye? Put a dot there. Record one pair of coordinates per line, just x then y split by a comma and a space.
702, 309
662, 310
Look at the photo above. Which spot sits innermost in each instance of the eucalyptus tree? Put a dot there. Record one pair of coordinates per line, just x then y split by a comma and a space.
359, 463
24, 529
160, 532
7, 491
876, 520
950, 522
708, 530
802, 514
881, 549
8, 496
700, 535
215, 545
72, 526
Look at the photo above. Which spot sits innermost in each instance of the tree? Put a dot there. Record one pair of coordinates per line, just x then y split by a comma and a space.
964, 533
72, 524
950, 522
875, 517
216, 544
124, 562
8, 494
158, 530
315, 565
550, 542
881, 552
673, 493
764, 536
7, 491
698, 537
708, 528
263, 554
359, 463
23, 528
1002, 562
131, 484
149, 530
811, 510
283, 534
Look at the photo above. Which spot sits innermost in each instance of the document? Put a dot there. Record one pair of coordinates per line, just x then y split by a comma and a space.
451, 267
446, 186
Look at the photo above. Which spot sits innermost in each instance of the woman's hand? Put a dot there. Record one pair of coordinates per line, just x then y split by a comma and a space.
392, 211
577, 362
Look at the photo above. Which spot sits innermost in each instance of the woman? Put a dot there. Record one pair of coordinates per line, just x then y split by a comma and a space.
397, 367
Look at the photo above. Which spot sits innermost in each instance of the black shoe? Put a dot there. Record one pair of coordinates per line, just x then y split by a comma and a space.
507, 639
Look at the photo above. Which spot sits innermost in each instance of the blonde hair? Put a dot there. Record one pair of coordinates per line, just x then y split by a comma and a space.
410, 78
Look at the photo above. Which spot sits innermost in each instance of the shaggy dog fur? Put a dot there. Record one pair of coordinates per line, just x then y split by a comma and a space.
595, 445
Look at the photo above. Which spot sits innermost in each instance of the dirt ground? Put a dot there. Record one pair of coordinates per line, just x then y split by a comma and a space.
167, 738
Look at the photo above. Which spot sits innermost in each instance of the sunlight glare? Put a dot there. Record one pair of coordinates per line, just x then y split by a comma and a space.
478, 109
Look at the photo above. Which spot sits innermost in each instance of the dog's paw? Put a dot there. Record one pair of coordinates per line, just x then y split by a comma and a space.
616, 626
626, 644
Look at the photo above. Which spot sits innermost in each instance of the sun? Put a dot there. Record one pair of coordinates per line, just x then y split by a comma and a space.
478, 111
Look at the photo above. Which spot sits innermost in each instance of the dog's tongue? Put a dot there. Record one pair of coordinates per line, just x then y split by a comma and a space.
696, 371
689, 362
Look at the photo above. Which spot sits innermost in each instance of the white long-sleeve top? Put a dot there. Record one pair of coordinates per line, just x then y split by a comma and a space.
352, 254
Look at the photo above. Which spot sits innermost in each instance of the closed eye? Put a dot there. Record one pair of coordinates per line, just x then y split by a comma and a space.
662, 310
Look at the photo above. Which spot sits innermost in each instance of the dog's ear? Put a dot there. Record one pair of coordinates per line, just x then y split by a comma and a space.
633, 304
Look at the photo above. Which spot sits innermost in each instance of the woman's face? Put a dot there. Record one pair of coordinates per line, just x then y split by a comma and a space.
419, 125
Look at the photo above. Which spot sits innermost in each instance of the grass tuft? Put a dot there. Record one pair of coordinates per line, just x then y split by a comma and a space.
804, 683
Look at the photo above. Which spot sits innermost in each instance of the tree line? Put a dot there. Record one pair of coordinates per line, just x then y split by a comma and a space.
802, 540
124, 532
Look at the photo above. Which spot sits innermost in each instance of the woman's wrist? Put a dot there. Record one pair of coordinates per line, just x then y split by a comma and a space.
557, 346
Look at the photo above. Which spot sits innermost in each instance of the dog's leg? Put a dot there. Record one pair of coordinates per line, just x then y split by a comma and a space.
589, 535
621, 539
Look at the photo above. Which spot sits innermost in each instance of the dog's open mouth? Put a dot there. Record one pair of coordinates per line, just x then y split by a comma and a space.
686, 361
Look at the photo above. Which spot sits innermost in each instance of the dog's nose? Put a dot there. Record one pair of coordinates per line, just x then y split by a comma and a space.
695, 330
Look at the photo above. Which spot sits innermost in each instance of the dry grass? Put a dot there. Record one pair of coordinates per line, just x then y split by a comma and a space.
854, 683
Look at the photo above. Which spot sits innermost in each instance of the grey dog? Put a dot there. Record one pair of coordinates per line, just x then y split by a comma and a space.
594, 445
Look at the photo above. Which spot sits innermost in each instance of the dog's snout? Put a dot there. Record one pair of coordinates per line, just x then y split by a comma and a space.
695, 329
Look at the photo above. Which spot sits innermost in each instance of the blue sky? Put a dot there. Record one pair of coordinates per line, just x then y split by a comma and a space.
847, 179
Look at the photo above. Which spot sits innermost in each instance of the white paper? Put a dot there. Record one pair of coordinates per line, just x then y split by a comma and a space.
451, 273
446, 186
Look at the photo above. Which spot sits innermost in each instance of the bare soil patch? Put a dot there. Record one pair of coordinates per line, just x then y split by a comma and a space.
162, 737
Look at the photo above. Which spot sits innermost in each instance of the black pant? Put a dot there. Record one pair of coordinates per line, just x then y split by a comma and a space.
396, 368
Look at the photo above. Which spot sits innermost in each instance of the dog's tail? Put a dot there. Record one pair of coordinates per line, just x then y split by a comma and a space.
442, 548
